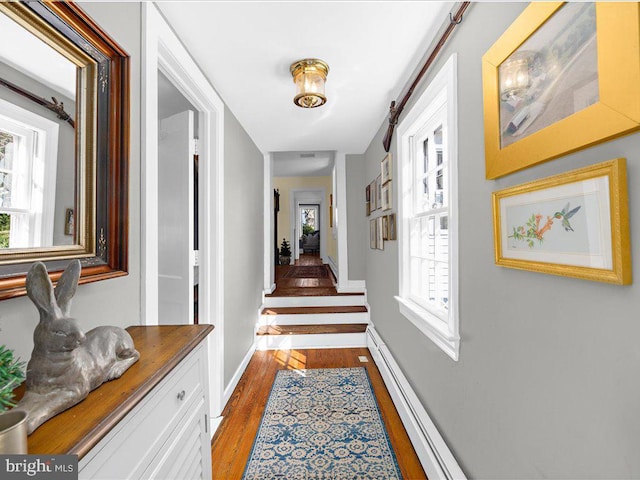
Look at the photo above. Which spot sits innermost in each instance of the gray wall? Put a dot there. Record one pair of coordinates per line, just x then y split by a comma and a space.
243, 240
116, 301
547, 381
357, 233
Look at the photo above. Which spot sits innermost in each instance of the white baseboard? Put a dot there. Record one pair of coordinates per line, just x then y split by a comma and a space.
269, 291
434, 454
237, 375
325, 340
333, 266
214, 424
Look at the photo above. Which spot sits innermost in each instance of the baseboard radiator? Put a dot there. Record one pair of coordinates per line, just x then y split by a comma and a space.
434, 454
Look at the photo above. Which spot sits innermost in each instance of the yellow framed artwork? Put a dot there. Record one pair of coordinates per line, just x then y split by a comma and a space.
563, 76
575, 224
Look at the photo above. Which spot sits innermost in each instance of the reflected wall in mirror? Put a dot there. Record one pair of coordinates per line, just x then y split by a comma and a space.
64, 100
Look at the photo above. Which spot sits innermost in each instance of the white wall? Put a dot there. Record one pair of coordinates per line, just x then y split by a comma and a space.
115, 301
547, 381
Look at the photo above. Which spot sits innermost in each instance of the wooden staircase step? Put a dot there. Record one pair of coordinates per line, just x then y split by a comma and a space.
307, 292
311, 329
314, 310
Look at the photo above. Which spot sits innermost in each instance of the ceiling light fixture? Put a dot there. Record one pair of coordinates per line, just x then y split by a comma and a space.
309, 76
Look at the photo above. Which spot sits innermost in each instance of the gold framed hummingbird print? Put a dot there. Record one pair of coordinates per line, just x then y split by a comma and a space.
575, 224
564, 76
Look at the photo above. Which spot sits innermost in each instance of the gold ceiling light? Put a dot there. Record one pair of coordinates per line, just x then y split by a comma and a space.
309, 76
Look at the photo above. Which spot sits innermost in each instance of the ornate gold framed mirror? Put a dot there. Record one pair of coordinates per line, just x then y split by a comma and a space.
64, 142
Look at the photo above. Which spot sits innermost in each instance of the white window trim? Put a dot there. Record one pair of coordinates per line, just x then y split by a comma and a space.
443, 88
44, 168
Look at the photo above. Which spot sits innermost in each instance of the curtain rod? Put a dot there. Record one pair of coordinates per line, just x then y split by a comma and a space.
55, 107
394, 112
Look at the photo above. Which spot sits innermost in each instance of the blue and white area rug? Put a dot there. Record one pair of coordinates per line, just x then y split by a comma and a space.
322, 424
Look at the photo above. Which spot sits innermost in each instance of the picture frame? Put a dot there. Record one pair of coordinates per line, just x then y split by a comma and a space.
69, 222
367, 196
374, 196
385, 227
379, 192
575, 224
547, 94
385, 167
387, 199
392, 227
380, 233
373, 234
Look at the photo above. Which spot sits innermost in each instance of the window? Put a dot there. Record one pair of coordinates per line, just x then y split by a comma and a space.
427, 152
28, 158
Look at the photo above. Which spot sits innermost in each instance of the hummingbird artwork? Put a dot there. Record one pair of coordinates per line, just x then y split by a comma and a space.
565, 214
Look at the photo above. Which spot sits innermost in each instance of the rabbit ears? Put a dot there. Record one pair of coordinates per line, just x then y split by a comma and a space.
52, 304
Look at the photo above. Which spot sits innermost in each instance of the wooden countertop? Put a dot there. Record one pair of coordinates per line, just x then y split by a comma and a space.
78, 429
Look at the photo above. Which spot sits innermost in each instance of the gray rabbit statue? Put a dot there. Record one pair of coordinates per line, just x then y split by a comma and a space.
66, 364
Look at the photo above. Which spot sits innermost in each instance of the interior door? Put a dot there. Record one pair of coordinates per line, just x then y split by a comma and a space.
176, 255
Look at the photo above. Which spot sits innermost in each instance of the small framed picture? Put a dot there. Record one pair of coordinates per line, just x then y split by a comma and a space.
380, 233
385, 167
373, 234
373, 196
69, 222
575, 224
392, 227
379, 191
385, 227
387, 202
367, 196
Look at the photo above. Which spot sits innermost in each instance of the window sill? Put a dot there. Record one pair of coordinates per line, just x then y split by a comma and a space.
433, 327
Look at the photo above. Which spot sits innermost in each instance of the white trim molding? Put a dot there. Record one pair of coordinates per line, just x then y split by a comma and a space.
269, 220
163, 51
233, 383
340, 220
439, 325
434, 454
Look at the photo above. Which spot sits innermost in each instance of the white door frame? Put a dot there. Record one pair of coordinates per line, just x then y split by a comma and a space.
163, 51
269, 227
307, 196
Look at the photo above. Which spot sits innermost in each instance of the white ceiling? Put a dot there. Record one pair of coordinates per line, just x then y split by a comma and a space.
246, 48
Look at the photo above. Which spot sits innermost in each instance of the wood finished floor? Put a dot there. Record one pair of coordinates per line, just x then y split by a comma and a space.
232, 443
302, 287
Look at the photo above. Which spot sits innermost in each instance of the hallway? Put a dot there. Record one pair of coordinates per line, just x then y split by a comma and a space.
233, 440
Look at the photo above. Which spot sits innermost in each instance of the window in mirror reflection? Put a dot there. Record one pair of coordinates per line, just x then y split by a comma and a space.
28, 166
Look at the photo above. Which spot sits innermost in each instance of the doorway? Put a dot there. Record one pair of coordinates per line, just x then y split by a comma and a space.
163, 52
309, 218
177, 213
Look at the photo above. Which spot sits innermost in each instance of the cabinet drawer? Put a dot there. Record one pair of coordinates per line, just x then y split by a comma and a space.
129, 447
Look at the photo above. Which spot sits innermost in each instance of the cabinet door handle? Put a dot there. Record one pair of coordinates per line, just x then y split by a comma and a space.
181, 395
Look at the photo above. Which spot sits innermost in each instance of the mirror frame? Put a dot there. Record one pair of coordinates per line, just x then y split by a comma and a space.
103, 239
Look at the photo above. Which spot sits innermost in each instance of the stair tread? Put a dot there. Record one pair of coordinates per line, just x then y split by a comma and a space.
311, 329
311, 310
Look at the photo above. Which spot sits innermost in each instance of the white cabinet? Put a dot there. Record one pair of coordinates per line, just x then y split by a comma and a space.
165, 436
